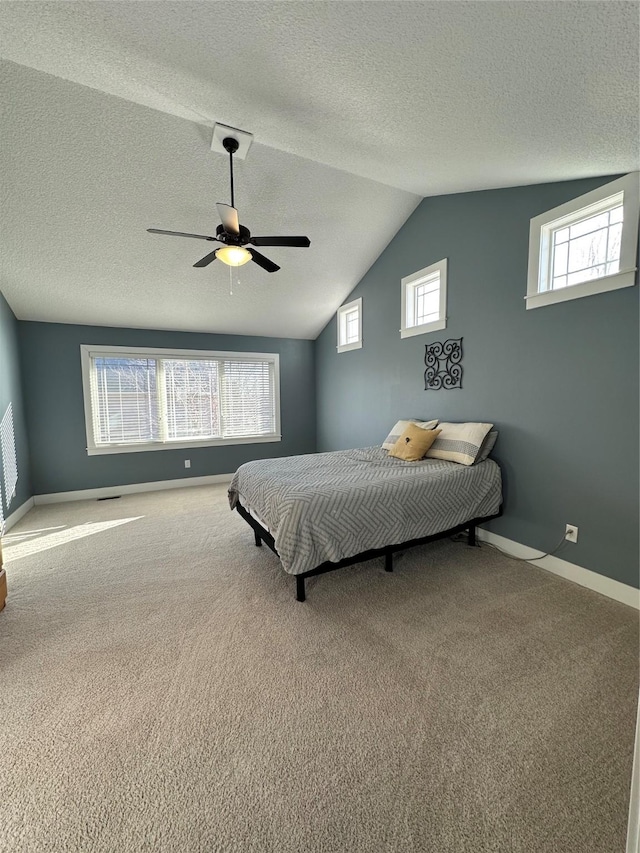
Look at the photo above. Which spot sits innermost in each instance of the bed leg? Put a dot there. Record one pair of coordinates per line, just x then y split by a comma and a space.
257, 538
388, 561
471, 535
300, 596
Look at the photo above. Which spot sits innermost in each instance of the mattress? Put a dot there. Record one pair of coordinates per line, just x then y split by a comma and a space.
324, 507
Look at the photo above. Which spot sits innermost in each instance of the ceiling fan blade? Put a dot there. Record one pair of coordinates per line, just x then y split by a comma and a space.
229, 217
204, 262
302, 242
180, 234
263, 262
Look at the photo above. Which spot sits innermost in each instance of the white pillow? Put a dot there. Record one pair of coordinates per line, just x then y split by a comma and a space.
458, 442
401, 426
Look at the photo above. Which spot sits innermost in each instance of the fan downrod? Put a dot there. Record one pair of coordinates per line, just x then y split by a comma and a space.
231, 145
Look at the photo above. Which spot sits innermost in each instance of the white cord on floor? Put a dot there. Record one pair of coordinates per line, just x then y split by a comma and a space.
527, 559
507, 554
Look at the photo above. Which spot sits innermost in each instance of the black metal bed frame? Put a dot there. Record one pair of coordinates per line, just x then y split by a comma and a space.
261, 535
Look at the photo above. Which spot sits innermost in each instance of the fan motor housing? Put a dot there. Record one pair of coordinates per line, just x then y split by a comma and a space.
240, 239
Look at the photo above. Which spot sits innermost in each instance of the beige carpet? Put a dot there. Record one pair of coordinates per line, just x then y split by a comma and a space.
161, 690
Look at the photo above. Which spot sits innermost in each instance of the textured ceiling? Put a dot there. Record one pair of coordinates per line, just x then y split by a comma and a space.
358, 109
85, 174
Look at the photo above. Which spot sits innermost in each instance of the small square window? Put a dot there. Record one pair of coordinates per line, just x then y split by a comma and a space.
424, 300
350, 326
585, 246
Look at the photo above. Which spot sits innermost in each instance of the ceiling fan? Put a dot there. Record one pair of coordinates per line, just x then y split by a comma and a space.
233, 236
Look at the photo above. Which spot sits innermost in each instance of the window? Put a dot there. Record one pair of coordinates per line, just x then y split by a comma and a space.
155, 399
585, 246
8, 456
424, 300
350, 326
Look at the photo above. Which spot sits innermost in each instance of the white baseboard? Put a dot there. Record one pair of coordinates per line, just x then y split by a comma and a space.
633, 824
585, 577
15, 516
131, 489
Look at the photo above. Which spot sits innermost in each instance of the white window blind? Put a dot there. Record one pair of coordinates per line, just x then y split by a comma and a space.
151, 400
125, 406
8, 456
192, 398
247, 398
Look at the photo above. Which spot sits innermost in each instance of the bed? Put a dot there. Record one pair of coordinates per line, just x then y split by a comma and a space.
322, 511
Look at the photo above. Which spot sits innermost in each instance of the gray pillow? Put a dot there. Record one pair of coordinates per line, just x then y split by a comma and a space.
487, 446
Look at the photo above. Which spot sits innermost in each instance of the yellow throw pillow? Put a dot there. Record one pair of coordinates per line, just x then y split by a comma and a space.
414, 443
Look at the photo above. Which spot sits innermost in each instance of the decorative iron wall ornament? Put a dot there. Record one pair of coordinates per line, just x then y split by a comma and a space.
444, 368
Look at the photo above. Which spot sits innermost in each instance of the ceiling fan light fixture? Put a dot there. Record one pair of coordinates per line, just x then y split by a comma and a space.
233, 256
230, 232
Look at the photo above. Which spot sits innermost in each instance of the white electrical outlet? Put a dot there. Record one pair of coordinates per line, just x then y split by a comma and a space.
571, 533
187, 463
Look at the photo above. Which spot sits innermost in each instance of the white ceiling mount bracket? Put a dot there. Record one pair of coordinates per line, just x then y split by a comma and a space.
222, 131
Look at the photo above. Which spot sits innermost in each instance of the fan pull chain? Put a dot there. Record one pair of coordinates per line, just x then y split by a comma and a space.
230, 281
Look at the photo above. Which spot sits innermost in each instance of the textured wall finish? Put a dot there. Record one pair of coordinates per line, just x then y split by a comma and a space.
11, 392
55, 413
560, 382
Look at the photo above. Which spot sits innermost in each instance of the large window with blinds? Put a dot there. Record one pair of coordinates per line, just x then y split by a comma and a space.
154, 398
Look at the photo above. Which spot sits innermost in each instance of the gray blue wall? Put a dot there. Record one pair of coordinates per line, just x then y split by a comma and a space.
560, 382
11, 392
50, 354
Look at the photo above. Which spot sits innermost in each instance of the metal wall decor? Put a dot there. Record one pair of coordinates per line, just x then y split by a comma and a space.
444, 368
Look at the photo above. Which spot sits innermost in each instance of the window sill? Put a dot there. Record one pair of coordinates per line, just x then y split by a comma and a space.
585, 288
436, 326
179, 445
348, 347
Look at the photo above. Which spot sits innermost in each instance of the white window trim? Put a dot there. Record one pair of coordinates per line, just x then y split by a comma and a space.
540, 233
88, 350
407, 284
346, 309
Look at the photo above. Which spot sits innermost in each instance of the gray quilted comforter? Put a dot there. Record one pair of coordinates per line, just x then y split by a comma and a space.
329, 506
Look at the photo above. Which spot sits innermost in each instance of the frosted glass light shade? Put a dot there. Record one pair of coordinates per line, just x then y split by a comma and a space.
233, 256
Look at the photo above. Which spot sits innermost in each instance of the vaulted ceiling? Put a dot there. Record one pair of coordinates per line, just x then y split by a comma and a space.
358, 109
